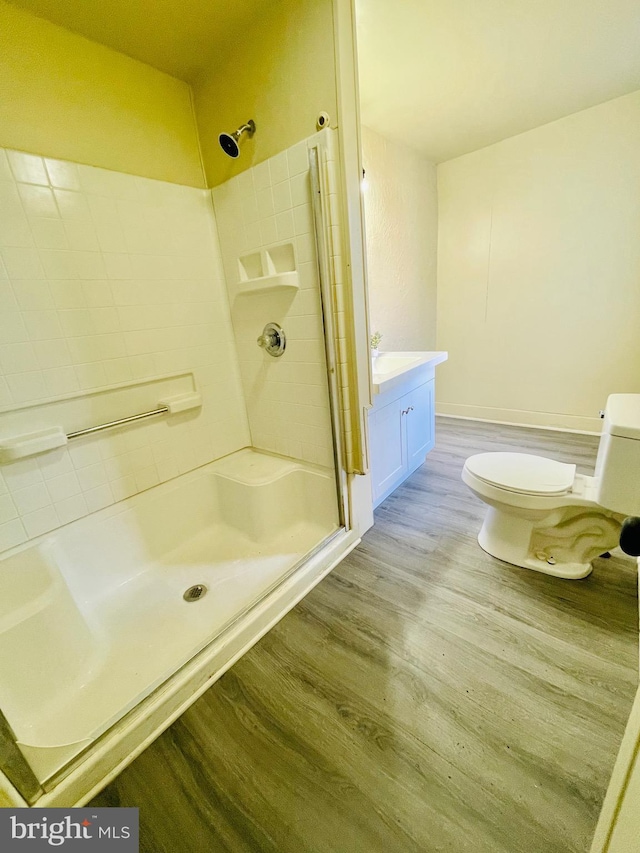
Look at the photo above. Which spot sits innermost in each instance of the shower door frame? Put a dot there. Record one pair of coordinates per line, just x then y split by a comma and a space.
321, 225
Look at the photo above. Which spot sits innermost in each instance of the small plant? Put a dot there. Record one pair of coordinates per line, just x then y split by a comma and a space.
376, 337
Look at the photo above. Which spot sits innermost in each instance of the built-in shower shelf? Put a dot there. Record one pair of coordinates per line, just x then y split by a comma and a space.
280, 281
271, 269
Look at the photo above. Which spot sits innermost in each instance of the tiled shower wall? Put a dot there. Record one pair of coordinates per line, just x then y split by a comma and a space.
287, 398
108, 279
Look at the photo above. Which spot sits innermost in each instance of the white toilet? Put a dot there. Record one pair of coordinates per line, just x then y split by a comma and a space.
544, 516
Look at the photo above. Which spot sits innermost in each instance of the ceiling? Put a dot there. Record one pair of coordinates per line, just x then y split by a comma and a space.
450, 76
181, 37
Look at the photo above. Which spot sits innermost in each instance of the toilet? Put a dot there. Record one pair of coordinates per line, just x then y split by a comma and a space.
542, 515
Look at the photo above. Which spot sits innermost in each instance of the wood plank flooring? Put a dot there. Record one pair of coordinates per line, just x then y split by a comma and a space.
424, 697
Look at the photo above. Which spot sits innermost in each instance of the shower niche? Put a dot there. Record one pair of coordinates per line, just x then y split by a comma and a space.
268, 269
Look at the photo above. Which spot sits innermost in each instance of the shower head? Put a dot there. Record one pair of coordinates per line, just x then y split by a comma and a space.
229, 142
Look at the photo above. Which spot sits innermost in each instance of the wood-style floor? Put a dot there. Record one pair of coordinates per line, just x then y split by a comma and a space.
424, 697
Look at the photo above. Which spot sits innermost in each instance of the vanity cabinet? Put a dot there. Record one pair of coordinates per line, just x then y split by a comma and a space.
401, 429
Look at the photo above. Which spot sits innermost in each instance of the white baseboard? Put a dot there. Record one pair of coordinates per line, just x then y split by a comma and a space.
516, 417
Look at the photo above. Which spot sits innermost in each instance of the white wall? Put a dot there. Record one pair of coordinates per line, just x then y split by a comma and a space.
287, 398
539, 271
401, 216
107, 281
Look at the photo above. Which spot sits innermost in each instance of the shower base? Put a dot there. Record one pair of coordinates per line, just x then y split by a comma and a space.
94, 617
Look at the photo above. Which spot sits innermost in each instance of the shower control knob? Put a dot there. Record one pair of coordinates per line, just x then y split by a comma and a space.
272, 340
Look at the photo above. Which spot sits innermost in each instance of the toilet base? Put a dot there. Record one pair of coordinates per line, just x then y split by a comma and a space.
551, 550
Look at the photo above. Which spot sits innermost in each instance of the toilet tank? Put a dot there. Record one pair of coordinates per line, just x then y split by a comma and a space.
618, 463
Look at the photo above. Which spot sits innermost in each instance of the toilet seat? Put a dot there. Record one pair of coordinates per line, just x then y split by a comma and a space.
522, 473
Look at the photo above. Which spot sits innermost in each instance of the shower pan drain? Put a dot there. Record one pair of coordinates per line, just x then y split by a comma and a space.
195, 593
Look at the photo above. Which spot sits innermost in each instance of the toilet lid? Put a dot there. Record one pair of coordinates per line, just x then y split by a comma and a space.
522, 472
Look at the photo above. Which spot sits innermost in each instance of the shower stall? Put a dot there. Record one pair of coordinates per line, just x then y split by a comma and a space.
174, 447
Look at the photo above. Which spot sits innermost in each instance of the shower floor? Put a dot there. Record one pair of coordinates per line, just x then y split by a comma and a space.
137, 626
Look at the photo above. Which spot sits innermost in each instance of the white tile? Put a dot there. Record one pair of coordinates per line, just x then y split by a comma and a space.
5, 394
20, 474
42, 521
89, 265
97, 294
64, 486
117, 370
279, 168
84, 453
61, 381
285, 225
71, 508
298, 159
55, 463
76, 322
118, 265
28, 168
72, 205
261, 175
268, 231
8, 300
265, 203
31, 498
38, 201
43, 325
123, 487
22, 263
94, 180
68, 294
27, 387
51, 354
5, 169
142, 455
253, 236
300, 189
305, 249
110, 235
57, 264
250, 208
49, 234
282, 197
18, 358
11, 534
14, 227
303, 220
99, 498
105, 320
33, 294
146, 478
81, 235
92, 476
62, 174
8, 509
167, 468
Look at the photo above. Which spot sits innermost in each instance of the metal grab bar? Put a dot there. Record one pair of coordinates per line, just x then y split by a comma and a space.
120, 421
53, 437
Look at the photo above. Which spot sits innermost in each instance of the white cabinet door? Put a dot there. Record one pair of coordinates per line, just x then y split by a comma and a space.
419, 421
388, 453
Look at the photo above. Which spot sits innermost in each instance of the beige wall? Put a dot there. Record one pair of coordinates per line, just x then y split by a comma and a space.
539, 271
64, 96
281, 74
401, 212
